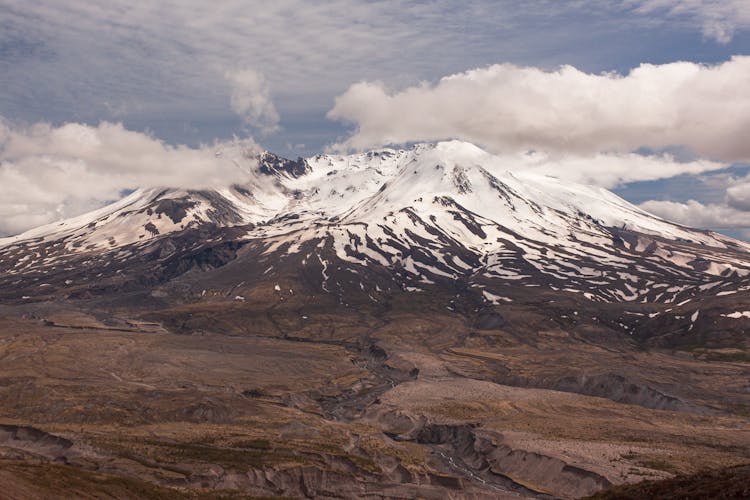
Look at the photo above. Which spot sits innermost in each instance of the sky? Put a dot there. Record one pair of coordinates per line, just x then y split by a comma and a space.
649, 98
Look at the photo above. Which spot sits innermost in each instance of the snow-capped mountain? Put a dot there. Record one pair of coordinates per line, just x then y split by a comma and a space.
384, 222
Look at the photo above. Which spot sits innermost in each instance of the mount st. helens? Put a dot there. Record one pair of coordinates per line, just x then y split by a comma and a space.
445, 216
425, 322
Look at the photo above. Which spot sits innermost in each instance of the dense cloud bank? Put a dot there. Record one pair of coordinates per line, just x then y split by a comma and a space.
48, 173
704, 109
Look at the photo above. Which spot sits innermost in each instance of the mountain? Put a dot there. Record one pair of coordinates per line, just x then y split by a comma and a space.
365, 226
468, 312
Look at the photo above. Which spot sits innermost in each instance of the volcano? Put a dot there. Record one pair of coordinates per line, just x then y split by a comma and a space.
428, 321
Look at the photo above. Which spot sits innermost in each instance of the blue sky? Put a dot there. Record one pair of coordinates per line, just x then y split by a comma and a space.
192, 73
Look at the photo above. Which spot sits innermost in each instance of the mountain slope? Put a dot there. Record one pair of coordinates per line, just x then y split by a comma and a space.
443, 211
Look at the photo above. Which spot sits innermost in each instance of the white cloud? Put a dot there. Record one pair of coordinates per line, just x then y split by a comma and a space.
251, 99
153, 59
705, 109
611, 170
48, 173
738, 196
162, 64
695, 214
717, 19
731, 213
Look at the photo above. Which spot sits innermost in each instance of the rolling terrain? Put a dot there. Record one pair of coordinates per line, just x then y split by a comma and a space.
425, 322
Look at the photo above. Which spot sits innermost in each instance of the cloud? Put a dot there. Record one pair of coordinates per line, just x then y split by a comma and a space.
251, 99
610, 170
717, 19
169, 55
738, 196
48, 173
157, 63
705, 109
695, 214
731, 213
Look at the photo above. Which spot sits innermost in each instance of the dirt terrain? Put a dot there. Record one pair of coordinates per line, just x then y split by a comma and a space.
305, 398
